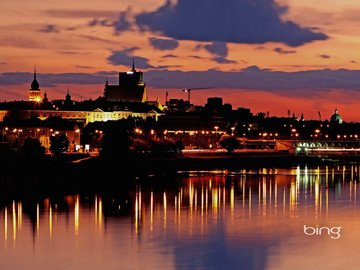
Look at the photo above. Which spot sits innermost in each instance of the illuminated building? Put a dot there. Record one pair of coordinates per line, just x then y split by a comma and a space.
336, 117
128, 99
131, 88
34, 91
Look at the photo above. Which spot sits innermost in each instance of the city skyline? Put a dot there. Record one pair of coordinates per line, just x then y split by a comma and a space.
306, 60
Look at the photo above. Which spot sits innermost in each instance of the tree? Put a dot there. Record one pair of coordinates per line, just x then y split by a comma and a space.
230, 143
33, 149
59, 144
116, 143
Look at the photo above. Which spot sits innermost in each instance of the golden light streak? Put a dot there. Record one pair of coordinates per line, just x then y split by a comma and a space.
140, 206
37, 217
50, 221
292, 195
165, 209
136, 213
6, 224
76, 215
264, 195
151, 211
100, 214
232, 199
206, 200
215, 199
96, 209
317, 196
14, 220
202, 200
19, 215
191, 195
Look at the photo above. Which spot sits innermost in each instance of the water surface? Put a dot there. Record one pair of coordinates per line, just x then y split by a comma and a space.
248, 219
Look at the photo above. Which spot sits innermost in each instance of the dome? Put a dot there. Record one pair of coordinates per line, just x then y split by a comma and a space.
336, 117
35, 84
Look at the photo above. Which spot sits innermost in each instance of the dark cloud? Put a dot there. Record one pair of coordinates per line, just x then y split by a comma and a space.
283, 51
240, 21
223, 60
256, 78
324, 56
101, 22
3, 63
122, 24
169, 56
50, 28
125, 57
217, 48
249, 78
163, 44
353, 62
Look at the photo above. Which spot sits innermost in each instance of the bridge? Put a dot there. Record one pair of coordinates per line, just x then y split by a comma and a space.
306, 147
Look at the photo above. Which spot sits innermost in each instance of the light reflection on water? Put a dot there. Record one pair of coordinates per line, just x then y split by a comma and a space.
251, 219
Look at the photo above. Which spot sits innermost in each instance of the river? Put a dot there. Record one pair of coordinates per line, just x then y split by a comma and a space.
292, 218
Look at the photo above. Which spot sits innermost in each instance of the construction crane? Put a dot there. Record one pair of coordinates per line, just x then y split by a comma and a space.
188, 90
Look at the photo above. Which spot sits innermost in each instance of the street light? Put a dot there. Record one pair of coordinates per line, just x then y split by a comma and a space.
77, 131
18, 136
232, 131
36, 132
4, 132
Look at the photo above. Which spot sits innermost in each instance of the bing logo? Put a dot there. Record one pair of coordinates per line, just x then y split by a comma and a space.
332, 232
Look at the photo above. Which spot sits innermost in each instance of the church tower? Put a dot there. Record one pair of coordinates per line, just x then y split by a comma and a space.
34, 91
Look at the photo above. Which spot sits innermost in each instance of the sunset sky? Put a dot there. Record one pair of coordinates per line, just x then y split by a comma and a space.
266, 55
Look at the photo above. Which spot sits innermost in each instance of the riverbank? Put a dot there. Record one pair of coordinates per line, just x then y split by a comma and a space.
94, 173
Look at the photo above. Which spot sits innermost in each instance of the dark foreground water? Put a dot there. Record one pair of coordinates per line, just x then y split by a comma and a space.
248, 219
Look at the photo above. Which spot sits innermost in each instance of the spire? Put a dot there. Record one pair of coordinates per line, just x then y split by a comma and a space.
35, 72
68, 96
302, 117
107, 81
45, 99
133, 65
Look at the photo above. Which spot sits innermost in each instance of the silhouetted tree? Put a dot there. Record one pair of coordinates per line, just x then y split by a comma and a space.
230, 143
33, 149
59, 144
116, 142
